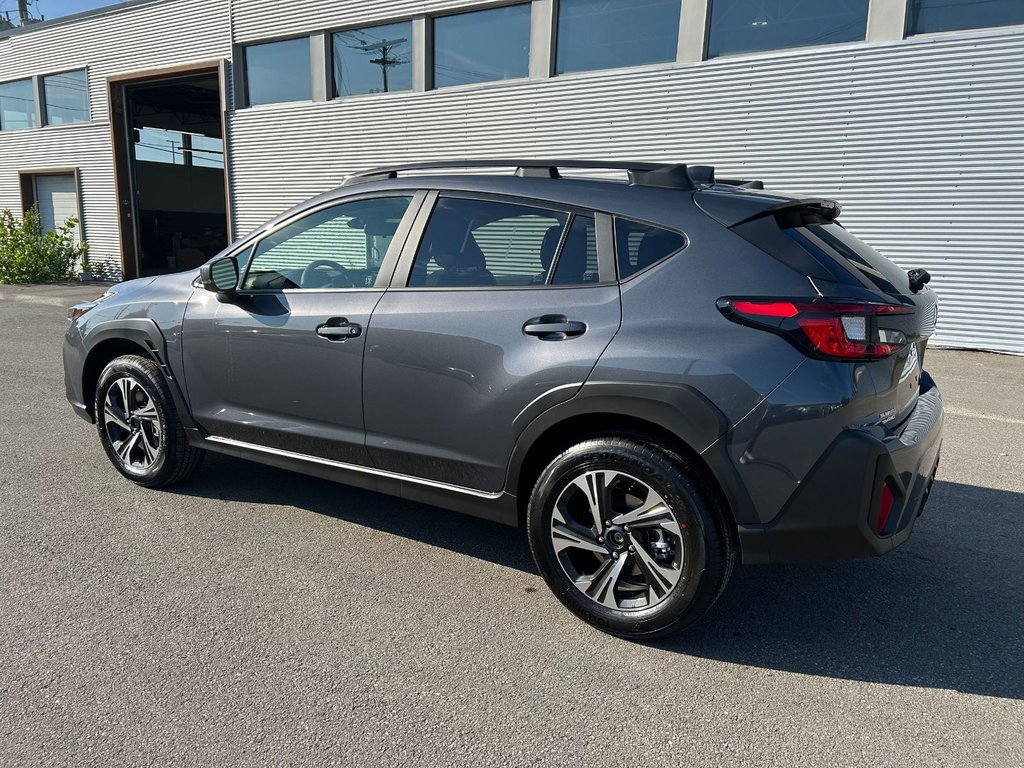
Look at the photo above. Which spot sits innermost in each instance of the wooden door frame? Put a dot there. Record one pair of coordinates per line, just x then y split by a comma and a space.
119, 132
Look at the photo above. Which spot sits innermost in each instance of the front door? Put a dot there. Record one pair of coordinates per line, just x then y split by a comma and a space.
281, 365
502, 313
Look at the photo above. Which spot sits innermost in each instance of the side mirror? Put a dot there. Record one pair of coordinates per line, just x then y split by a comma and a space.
221, 276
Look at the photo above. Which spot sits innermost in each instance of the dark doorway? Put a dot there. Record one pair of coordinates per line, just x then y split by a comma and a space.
171, 172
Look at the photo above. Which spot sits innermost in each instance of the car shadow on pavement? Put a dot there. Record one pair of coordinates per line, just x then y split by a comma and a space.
942, 611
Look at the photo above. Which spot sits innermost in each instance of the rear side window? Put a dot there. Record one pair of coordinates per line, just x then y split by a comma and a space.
478, 243
577, 261
638, 245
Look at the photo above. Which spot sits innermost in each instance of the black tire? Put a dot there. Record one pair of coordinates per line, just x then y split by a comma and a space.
173, 459
704, 547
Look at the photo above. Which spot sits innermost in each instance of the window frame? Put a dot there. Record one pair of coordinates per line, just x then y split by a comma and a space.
647, 223
909, 34
431, 47
243, 57
387, 265
41, 97
606, 266
332, 86
34, 84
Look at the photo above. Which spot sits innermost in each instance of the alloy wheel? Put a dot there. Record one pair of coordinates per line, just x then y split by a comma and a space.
617, 540
132, 424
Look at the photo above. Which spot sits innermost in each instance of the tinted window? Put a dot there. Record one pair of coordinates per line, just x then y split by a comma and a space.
17, 105
278, 72
67, 98
480, 243
373, 60
738, 26
483, 45
596, 34
577, 261
338, 247
944, 15
637, 245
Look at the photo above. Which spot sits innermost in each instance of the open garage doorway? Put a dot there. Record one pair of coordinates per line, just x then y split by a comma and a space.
170, 167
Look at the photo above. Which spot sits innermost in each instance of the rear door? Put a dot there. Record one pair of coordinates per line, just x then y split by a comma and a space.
499, 309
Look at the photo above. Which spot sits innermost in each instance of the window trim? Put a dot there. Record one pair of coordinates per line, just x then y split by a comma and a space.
400, 279
41, 98
35, 84
387, 265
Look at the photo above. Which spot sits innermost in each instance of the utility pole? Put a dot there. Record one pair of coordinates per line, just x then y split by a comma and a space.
23, 17
385, 60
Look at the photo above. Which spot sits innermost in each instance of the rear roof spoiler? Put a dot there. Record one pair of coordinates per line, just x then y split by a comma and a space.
740, 206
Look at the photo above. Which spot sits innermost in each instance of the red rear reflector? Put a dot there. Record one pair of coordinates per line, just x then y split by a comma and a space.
885, 502
766, 309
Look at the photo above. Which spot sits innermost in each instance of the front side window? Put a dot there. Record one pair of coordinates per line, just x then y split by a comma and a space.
945, 15
597, 34
486, 243
373, 60
338, 247
17, 105
482, 45
639, 245
740, 26
278, 71
66, 97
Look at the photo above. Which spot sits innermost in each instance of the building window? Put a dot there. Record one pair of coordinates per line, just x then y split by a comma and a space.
66, 98
739, 26
598, 34
483, 45
17, 105
278, 71
373, 60
945, 15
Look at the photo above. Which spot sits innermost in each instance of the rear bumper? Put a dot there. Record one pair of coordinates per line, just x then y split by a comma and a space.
835, 512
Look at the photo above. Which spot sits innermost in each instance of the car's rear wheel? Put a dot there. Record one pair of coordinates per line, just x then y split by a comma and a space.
139, 426
629, 537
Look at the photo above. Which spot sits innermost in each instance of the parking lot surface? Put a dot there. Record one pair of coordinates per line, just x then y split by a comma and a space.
254, 616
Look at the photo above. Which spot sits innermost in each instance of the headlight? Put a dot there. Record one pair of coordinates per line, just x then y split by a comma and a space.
78, 310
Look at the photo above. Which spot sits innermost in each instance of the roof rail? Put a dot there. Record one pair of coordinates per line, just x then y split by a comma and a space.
639, 173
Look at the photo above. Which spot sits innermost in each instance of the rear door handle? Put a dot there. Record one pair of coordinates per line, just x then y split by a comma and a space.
553, 327
338, 329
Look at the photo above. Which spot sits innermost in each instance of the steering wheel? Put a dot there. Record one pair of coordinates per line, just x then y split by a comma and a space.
311, 268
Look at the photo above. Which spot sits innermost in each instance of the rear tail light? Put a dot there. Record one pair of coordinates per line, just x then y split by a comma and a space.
885, 504
836, 330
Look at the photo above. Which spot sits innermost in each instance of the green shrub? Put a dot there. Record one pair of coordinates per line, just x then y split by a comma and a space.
29, 255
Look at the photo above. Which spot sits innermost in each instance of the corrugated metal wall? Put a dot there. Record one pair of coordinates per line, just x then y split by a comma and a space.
142, 37
921, 140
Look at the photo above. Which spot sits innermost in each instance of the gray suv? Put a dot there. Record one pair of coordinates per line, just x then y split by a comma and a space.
654, 376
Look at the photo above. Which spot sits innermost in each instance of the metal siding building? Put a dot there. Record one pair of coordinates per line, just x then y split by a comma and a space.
920, 139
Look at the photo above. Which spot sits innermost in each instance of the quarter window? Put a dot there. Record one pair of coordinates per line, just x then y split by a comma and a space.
279, 71
482, 45
943, 15
638, 246
740, 26
338, 247
485, 243
597, 34
66, 98
373, 60
17, 105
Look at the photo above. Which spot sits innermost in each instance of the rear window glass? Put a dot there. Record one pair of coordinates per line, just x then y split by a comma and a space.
638, 246
834, 242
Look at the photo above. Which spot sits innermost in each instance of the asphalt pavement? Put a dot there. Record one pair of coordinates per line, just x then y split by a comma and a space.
253, 616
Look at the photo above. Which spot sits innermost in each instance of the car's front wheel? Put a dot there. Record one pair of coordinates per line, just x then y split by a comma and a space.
629, 537
139, 426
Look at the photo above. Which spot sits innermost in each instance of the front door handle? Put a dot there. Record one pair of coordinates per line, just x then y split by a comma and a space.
553, 327
338, 329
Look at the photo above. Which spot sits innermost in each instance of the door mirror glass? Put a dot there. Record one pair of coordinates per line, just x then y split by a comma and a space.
220, 276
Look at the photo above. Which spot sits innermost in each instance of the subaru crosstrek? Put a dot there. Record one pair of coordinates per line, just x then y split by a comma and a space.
655, 377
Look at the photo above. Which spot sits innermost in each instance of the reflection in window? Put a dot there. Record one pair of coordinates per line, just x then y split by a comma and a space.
944, 15
373, 60
597, 34
338, 247
638, 246
17, 105
482, 45
738, 26
155, 145
66, 96
278, 72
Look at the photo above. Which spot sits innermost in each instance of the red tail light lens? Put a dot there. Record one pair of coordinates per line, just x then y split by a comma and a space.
843, 330
885, 503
